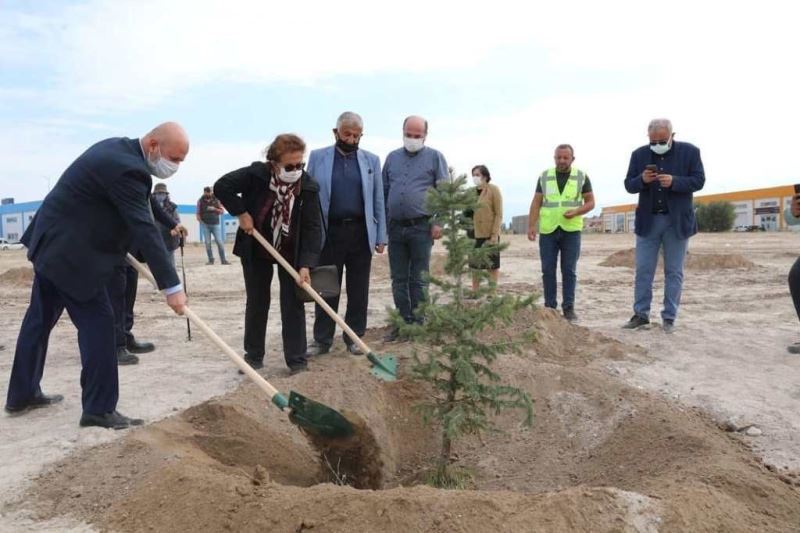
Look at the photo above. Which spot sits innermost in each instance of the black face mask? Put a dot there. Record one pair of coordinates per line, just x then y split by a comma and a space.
346, 147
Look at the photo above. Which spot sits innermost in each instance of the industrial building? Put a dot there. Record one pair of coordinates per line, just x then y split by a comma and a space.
761, 208
15, 218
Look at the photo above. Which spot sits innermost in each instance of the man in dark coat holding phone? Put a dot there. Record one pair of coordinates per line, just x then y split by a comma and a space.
665, 174
98, 210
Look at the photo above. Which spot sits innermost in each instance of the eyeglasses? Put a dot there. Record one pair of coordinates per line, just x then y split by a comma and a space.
663, 143
292, 168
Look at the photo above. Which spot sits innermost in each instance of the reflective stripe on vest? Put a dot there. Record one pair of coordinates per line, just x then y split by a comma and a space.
555, 203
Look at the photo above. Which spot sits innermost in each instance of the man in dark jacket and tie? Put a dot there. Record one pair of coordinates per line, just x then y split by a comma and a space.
665, 174
98, 210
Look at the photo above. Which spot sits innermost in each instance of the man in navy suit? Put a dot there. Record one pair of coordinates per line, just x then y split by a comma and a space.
665, 174
351, 197
98, 210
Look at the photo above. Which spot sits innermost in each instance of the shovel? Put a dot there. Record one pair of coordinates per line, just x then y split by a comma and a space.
383, 367
312, 416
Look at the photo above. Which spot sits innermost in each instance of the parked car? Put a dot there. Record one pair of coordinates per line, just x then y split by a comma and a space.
5, 244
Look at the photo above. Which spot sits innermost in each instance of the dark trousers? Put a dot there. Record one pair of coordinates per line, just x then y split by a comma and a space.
258, 274
94, 320
347, 247
409, 261
794, 285
568, 244
122, 289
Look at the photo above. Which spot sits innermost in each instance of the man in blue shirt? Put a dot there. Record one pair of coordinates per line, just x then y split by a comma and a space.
351, 196
665, 175
408, 173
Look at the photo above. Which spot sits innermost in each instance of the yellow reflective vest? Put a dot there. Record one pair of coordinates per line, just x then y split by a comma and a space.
555, 203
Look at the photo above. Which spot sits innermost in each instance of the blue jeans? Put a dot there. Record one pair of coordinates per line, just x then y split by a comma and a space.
569, 244
409, 260
647, 248
216, 231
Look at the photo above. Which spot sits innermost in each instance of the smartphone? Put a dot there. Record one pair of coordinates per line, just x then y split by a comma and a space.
654, 168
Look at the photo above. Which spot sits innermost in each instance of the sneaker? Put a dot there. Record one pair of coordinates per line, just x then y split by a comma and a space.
569, 314
669, 325
794, 348
636, 322
319, 348
354, 350
112, 420
124, 357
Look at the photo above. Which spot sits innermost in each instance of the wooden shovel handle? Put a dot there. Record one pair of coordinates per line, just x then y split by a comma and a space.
310, 290
227, 350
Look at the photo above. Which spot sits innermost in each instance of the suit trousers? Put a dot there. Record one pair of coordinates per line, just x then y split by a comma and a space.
122, 289
94, 320
347, 247
258, 273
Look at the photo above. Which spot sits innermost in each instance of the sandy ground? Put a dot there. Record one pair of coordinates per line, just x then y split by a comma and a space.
728, 355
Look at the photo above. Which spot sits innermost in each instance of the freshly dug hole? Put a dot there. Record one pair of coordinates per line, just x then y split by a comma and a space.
354, 460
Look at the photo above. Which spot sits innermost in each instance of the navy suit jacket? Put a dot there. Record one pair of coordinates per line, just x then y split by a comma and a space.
684, 164
98, 210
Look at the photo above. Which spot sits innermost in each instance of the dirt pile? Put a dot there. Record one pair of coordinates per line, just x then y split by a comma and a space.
694, 261
17, 277
601, 456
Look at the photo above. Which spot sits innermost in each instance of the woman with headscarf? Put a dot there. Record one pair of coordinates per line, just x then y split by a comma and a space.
281, 201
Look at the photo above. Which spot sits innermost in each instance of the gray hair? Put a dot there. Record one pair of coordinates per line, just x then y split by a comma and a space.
348, 117
659, 123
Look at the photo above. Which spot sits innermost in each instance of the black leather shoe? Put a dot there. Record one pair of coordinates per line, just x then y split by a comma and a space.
41, 400
124, 357
256, 365
224, 262
318, 348
569, 314
135, 346
297, 369
113, 420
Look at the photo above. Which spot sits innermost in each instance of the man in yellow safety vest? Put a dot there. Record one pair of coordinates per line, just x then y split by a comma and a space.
563, 196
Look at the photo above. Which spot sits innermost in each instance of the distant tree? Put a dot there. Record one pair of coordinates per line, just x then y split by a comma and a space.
455, 360
715, 216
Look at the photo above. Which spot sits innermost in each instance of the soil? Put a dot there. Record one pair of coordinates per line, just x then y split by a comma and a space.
601, 456
17, 277
627, 431
694, 261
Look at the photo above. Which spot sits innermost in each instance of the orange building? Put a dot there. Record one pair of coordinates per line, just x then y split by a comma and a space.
754, 207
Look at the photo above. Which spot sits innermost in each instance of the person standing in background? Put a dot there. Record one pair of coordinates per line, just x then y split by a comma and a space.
665, 174
209, 210
563, 195
487, 219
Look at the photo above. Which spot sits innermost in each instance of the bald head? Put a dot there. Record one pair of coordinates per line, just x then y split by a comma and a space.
170, 139
415, 125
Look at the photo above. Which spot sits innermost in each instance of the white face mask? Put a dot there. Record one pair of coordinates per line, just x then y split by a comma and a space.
477, 180
162, 167
661, 149
413, 145
289, 177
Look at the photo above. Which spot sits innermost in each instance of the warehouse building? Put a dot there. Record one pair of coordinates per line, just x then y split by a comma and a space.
15, 218
761, 208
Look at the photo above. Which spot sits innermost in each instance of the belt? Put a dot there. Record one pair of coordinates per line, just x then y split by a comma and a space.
661, 212
346, 221
407, 222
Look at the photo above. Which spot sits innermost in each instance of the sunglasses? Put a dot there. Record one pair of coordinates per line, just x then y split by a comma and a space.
662, 143
292, 168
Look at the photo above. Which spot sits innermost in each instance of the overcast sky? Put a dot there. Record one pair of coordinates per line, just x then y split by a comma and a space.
501, 84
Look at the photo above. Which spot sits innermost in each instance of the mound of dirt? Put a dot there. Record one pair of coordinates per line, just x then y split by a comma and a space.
601, 456
694, 261
17, 277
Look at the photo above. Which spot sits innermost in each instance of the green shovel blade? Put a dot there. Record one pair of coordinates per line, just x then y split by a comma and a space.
318, 418
383, 366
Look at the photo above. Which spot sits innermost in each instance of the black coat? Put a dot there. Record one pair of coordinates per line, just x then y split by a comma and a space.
97, 211
246, 190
